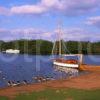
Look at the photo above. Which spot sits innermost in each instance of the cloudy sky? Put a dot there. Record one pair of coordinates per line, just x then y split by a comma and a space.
38, 19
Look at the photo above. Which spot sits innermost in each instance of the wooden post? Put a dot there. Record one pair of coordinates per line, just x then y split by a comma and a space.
81, 59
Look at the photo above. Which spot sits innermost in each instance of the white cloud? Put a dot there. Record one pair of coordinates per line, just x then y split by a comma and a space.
95, 21
28, 9
50, 3
80, 34
28, 33
77, 34
68, 7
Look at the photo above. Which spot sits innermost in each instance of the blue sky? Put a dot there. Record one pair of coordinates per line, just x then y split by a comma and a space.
38, 19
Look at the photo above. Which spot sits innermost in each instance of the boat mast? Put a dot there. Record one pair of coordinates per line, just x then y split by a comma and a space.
58, 44
59, 37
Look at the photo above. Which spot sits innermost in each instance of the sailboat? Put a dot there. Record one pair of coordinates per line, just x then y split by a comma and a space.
69, 63
61, 60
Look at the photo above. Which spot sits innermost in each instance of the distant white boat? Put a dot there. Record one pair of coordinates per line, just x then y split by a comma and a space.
14, 51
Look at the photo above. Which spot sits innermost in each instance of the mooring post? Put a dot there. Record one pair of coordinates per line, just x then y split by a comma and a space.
81, 59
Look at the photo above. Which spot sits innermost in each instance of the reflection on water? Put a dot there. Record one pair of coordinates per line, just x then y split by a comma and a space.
66, 70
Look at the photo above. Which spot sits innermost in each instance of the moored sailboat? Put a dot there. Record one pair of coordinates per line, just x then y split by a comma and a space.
69, 63
61, 60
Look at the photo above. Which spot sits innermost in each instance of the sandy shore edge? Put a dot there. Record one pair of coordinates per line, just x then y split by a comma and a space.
87, 82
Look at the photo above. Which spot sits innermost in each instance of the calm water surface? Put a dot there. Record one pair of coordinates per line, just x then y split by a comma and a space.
24, 67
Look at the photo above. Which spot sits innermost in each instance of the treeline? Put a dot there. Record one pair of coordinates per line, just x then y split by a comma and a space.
44, 47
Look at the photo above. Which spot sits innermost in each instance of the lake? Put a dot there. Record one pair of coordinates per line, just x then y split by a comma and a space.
25, 67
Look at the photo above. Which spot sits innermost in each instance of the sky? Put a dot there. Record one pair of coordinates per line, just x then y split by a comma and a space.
39, 19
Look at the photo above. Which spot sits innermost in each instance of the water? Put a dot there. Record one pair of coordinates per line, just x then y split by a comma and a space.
25, 67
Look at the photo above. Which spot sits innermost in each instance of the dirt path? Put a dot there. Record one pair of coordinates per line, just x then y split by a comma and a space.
89, 81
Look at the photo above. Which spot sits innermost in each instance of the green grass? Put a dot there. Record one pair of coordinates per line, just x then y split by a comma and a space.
3, 98
60, 94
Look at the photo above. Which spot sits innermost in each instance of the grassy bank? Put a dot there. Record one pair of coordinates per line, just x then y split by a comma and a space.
60, 94
4, 98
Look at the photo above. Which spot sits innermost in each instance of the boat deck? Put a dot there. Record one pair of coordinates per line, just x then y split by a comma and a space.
70, 61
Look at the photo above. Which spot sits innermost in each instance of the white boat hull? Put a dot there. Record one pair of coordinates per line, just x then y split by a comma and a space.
66, 65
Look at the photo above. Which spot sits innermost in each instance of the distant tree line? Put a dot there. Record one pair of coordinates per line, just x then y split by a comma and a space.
44, 47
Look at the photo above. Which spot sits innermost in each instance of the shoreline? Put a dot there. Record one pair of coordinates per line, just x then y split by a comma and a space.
86, 82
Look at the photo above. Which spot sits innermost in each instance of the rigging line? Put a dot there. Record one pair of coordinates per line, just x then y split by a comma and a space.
66, 48
54, 47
